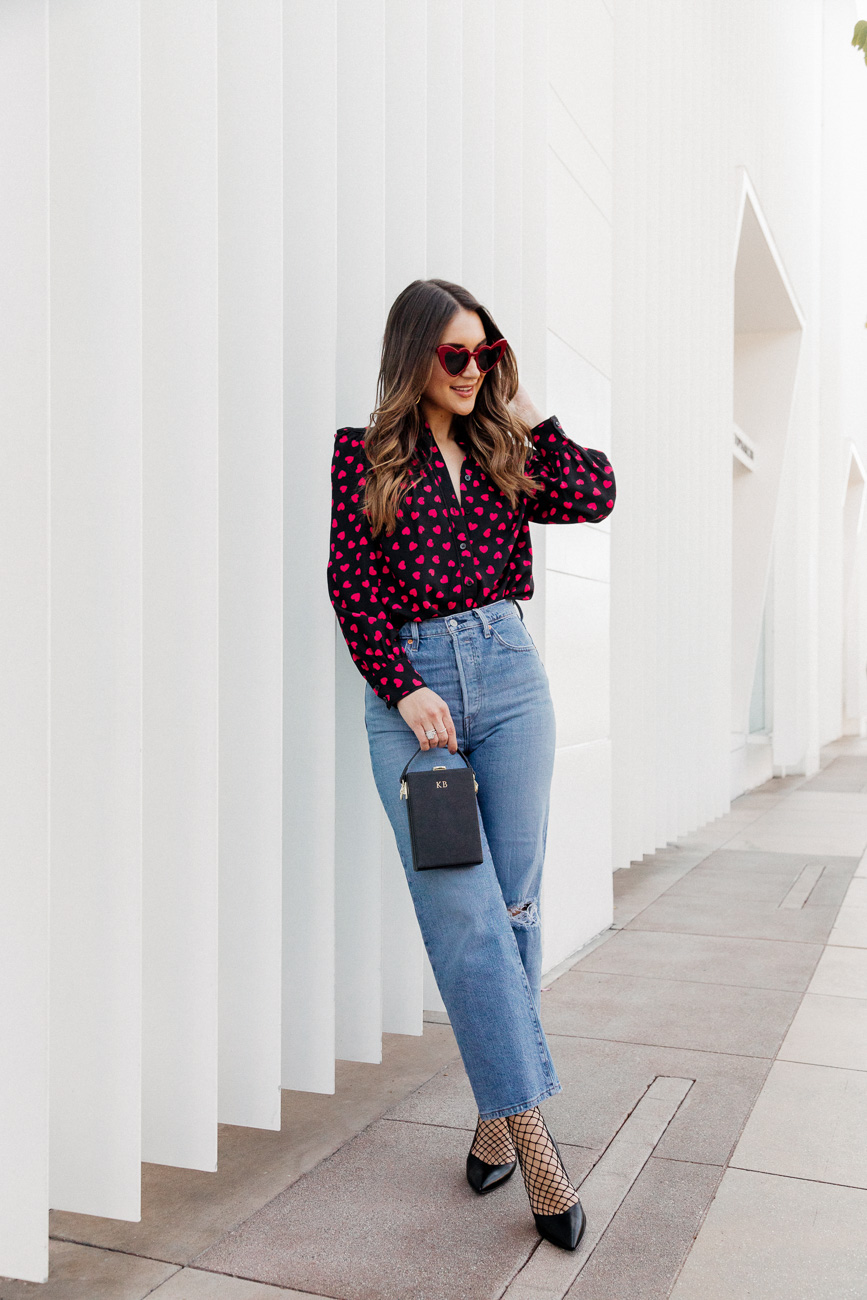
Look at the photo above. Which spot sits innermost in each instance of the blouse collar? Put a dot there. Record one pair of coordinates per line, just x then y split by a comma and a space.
426, 438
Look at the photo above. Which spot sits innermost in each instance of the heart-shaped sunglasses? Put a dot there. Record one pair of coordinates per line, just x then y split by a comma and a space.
455, 360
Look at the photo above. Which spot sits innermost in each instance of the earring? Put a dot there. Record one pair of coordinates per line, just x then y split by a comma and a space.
418, 399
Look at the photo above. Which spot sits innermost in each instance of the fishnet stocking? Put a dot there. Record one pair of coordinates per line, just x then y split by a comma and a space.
493, 1142
547, 1182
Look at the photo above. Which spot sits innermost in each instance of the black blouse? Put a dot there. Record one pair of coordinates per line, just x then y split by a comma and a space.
446, 554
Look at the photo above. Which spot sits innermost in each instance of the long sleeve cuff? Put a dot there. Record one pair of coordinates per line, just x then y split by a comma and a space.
576, 483
378, 654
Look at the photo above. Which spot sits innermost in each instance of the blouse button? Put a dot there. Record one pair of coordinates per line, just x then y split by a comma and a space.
463, 546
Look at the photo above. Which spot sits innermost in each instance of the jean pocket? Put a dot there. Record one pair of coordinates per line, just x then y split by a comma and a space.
512, 633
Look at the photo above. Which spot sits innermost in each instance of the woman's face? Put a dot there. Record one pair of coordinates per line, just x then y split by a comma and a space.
456, 393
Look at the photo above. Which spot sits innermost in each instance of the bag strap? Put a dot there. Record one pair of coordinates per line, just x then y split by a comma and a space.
419, 750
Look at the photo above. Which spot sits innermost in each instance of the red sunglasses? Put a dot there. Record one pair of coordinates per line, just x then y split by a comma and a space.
455, 360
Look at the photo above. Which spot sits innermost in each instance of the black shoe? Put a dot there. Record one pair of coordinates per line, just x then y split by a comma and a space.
564, 1229
567, 1228
484, 1178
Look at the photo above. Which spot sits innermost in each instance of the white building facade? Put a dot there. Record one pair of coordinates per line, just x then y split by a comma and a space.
207, 208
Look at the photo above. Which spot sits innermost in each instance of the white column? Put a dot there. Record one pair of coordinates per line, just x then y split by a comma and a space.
534, 254
507, 155
577, 889
478, 108
627, 558
405, 212
360, 275
250, 196
179, 204
96, 630
24, 575
633, 539
310, 305
444, 139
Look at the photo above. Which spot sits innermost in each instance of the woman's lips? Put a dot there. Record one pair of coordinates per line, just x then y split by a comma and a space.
463, 392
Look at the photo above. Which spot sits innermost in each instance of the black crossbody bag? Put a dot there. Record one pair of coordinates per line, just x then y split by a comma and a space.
443, 815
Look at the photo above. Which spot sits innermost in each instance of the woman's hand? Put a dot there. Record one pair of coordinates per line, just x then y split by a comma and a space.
423, 710
522, 406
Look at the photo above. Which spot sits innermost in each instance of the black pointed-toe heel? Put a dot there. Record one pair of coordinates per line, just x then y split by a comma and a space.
484, 1178
567, 1228
564, 1229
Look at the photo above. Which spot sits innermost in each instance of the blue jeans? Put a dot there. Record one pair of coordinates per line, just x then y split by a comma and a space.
480, 925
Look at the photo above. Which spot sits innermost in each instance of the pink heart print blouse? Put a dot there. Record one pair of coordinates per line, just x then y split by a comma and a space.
446, 555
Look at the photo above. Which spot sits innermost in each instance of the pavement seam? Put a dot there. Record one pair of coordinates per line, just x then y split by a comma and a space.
683, 979
115, 1250
752, 938
665, 1047
242, 1277
179, 1269
797, 1178
460, 1128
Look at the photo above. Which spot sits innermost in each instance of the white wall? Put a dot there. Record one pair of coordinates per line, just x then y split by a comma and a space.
577, 893
205, 230
24, 592
698, 106
95, 606
843, 353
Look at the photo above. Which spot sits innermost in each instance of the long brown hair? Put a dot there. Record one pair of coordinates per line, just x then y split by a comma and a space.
498, 438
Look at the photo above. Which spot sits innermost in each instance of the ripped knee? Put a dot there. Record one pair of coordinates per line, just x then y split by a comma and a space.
524, 914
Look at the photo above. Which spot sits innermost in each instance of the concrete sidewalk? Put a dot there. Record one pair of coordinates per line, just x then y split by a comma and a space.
713, 1051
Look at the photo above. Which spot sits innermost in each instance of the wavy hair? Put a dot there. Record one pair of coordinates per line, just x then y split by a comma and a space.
499, 439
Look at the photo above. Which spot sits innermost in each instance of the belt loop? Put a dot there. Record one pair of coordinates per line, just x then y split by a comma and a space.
484, 620
414, 635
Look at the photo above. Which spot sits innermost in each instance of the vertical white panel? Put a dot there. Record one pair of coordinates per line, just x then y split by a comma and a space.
714, 504
404, 190
655, 394
479, 157
24, 641
629, 449
507, 217
666, 413
686, 813
95, 632
646, 212
250, 170
405, 145
309, 625
179, 205
360, 319
577, 898
534, 252
444, 139
534, 178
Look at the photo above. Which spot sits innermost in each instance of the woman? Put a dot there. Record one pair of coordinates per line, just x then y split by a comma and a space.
430, 553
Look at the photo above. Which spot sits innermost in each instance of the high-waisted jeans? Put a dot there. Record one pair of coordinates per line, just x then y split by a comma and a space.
480, 925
